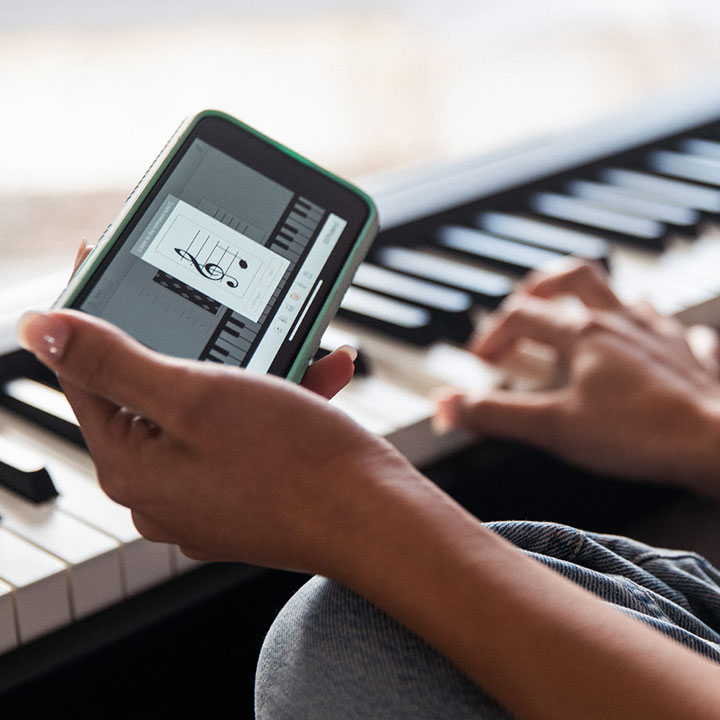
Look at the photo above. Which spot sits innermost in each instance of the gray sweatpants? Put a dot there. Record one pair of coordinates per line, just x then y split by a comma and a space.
330, 654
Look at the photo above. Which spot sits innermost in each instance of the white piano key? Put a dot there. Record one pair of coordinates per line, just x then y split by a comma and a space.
699, 146
346, 400
387, 400
544, 234
635, 282
8, 626
461, 369
93, 557
689, 167
333, 338
677, 191
391, 311
411, 289
573, 210
144, 563
693, 264
40, 586
32, 392
633, 202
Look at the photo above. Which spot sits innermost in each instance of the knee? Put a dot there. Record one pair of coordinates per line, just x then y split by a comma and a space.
332, 654
303, 649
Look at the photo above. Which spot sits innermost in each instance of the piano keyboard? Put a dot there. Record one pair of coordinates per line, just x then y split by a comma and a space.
639, 193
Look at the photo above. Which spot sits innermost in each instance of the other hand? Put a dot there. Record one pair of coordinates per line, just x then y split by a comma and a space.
638, 403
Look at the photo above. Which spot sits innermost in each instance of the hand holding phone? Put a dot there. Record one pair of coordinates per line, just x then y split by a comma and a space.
232, 249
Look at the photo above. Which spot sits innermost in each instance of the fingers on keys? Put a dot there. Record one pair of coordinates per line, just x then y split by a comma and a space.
530, 417
584, 280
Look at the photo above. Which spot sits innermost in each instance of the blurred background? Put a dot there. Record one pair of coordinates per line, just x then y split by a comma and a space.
90, 90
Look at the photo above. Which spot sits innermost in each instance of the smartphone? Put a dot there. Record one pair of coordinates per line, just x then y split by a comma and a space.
231, 249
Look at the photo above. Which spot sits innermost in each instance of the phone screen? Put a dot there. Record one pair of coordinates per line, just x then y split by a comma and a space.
227, 260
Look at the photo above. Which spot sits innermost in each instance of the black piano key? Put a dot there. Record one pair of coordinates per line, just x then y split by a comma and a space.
41, 404
545, 234
580, 212
485, 286
403, 321
36, 486
677, 191
700, 146
688, 167
25, 475
631, 202
515, 256
450, 308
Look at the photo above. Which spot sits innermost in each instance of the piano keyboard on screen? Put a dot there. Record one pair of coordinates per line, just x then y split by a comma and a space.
640, 193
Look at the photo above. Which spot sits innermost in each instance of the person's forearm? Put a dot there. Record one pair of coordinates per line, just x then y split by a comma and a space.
703, 461
537, 643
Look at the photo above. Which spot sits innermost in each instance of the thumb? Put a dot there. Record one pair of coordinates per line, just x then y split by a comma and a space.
104, 362
331, 374
531, 417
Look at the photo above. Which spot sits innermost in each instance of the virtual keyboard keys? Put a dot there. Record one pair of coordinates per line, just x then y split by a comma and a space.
688, 167
25, 474
485, 286
580, 212
450, 309
627, 201
40, 586
479, 245
676, 191
401, 320
545, 235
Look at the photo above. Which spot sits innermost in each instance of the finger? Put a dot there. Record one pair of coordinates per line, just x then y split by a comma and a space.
150, 529
82, 252
91, 411
332, 373
705, 346
583, 279
645, 316
532, 417
533, 319
105, 363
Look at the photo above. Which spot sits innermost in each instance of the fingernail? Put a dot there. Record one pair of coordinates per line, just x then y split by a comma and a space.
350, 350
44, 335
447, 412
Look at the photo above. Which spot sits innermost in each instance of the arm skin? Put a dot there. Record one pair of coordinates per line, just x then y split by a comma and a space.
637, 403
232, 465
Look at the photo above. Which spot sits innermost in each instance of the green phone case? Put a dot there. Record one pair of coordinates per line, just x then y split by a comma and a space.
153, 173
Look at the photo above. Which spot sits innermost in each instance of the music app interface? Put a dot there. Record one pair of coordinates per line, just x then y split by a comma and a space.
223, 266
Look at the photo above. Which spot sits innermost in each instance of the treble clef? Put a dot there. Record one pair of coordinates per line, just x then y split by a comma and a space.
211, 271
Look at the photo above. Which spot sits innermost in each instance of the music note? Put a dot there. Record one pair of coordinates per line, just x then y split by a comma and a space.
210, 270
216, 260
